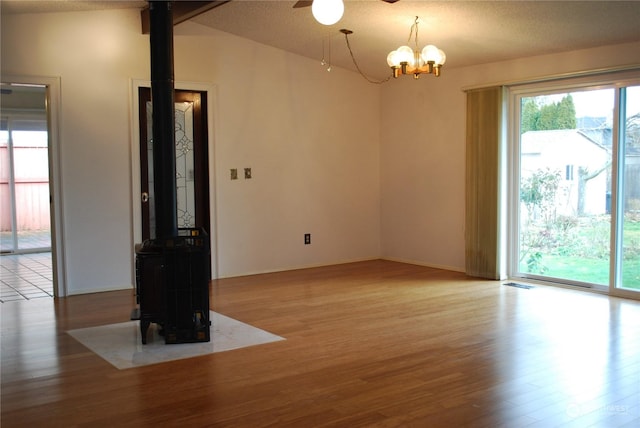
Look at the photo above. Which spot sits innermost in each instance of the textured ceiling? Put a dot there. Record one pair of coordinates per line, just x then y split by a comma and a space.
49, 6
471, 32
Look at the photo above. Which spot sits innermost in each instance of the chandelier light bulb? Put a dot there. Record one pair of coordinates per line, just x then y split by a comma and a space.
405, 54
391, 59
327, 12
443, 57
430, 53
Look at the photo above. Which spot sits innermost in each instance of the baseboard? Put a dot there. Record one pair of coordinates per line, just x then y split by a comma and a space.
419, 263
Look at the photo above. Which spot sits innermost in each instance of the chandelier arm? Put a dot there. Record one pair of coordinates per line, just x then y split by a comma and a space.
353, 58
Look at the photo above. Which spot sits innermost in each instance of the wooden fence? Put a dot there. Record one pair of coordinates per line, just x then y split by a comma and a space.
31, 189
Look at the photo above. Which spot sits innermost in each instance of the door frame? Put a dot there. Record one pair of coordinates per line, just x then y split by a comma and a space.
136, 211
53, 107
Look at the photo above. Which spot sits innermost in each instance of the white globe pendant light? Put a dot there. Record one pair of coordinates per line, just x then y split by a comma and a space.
327, 12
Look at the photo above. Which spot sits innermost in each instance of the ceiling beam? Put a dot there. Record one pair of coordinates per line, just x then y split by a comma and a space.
182, 11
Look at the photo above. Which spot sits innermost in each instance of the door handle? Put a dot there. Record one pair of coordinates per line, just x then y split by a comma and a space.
145, 197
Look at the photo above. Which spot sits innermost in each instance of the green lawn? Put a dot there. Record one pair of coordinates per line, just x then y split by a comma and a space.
590, 270
562, 263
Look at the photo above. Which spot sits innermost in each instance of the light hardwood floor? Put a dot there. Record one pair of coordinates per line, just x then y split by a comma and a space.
368, 344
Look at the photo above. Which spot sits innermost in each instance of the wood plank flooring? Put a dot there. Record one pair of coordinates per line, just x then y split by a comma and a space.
368, 344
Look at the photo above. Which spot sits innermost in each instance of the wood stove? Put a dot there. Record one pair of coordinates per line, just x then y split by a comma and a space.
172, 268
172, 286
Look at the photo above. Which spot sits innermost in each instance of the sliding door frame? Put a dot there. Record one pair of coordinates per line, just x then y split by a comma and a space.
614, 80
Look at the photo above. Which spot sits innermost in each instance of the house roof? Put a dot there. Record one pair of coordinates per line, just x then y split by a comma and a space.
535, 142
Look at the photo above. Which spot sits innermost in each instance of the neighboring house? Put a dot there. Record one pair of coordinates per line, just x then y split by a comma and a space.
571, 153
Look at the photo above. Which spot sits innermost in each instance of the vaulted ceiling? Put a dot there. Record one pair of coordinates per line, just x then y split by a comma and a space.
470, 32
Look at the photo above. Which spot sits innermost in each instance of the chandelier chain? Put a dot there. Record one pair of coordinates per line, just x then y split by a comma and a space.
414, 27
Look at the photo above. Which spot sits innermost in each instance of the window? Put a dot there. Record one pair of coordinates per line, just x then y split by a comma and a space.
568, 173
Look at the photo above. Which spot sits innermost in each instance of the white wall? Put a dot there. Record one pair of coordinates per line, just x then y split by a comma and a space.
422, 175
310, 137
423, 154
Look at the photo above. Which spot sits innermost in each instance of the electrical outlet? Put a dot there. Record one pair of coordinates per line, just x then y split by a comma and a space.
247, 173
307, 238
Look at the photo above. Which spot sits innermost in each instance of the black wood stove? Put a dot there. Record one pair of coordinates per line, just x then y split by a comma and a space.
172, 286
172, 269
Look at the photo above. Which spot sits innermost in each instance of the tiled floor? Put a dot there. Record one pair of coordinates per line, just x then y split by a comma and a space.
121, 345
26, 277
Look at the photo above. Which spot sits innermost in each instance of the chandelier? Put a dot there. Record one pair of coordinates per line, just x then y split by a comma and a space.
406, 60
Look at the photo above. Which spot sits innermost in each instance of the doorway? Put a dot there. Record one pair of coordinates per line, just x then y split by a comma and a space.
30, 268
192, 160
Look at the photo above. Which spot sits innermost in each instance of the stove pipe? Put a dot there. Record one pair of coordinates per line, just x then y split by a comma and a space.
162, 97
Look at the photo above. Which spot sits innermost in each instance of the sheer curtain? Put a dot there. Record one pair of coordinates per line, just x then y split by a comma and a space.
483, 255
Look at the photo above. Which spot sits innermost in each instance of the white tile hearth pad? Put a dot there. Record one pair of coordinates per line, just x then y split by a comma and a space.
121, 344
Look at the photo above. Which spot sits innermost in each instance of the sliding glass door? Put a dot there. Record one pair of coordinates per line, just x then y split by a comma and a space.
627, 264
575, 197
24, 170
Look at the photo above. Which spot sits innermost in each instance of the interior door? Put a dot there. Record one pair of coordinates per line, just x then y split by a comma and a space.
192, 166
